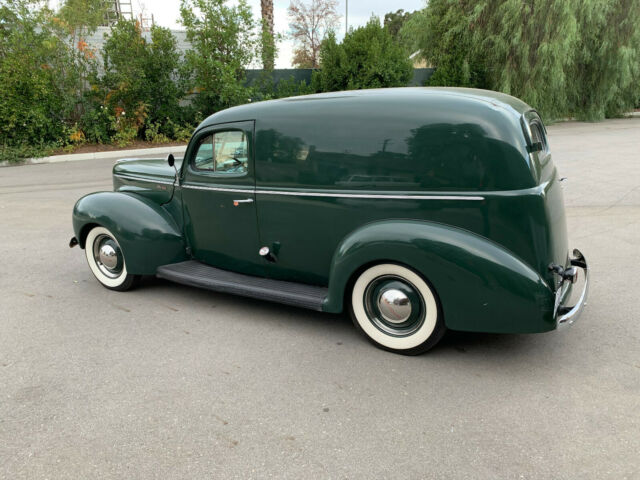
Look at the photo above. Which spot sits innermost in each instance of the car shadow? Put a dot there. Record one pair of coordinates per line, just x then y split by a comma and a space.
454, 343
465, 342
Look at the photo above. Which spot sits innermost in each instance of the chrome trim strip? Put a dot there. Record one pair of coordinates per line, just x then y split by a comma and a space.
219, 189
337, 195
371, 195
142, 179
568, 315
306, 194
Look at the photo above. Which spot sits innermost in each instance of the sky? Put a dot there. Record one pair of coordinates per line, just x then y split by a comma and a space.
167, 14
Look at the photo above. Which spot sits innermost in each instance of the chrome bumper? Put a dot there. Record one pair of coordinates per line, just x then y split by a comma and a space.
567, 315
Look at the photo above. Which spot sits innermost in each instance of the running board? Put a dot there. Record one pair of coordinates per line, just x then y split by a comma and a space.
205, 276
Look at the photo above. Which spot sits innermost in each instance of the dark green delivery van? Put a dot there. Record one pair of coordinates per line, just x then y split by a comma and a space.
415, 209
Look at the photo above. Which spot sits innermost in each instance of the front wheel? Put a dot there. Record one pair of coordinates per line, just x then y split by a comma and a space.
106, 260
396, 309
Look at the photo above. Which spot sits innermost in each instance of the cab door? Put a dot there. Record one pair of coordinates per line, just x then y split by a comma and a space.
218, 193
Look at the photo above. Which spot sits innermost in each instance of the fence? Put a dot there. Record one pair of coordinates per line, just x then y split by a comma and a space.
420, 75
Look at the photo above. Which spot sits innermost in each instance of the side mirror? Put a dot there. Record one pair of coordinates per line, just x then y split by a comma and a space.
171, 159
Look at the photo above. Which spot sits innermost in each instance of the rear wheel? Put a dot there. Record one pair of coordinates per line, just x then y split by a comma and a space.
396, 309
106, 260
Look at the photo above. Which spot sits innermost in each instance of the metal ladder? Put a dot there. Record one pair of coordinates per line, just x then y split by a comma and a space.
117, 9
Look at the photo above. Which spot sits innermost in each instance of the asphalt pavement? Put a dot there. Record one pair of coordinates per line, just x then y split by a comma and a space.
173, 382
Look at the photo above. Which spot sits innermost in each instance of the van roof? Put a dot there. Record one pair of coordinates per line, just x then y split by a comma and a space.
422, 95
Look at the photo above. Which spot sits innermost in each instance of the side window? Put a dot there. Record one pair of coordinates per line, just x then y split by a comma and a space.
537, 135
230, 152
204, 156
534, 131
223, 152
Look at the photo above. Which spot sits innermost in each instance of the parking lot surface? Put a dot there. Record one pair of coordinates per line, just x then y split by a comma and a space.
173, 382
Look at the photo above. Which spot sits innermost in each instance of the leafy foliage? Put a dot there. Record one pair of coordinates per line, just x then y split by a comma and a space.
528, 47
223, 41
562, 57
604, 80
443, 32
266, 89
140, 80
310, 24
82, 15
38, 78
566, 58
368, 57
394, 21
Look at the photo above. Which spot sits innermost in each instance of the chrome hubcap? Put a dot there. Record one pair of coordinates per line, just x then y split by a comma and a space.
394, 306
108, 256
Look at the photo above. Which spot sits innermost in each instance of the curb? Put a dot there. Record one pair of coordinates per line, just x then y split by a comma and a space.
74, 157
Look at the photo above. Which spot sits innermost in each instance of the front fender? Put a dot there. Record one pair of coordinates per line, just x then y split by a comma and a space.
482, 286
147, 233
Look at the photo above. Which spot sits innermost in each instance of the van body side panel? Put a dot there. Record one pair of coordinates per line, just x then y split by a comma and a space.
507, 296
308, 230
399, 144
360, 146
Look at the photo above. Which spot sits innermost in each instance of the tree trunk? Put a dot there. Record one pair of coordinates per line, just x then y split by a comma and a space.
268, 41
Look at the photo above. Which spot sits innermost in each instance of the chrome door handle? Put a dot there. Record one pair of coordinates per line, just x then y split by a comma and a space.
238, 202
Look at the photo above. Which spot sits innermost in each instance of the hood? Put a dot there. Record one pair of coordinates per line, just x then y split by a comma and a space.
150, 177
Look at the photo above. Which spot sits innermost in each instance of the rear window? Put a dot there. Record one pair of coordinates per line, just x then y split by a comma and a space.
536, 133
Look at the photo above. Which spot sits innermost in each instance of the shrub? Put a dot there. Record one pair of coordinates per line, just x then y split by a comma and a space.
368, 57
265, 88
224, 41
138, 73
96, 122
19, 152
38, 77
153, 135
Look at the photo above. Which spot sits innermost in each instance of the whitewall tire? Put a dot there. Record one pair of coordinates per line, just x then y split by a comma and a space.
396, 309
106, 260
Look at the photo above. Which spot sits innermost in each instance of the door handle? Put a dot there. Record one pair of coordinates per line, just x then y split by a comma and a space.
238, 202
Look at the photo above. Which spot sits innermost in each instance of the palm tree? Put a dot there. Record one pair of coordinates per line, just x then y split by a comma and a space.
268, 52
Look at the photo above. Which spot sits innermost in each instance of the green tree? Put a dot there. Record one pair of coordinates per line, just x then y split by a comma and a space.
528, 48
443, 36
224, 43
368, 57
394, 21
140, 72
38, 78
82, 16
565, 58
604, 79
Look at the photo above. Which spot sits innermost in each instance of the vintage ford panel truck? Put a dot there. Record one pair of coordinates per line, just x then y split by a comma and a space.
416, 209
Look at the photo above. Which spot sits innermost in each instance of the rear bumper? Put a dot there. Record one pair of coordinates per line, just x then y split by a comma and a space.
565, 316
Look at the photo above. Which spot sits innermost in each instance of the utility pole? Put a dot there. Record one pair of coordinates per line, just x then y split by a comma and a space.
346, 18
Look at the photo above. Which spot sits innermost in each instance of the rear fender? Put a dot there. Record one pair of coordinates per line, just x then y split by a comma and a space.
147, 233
481, 285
